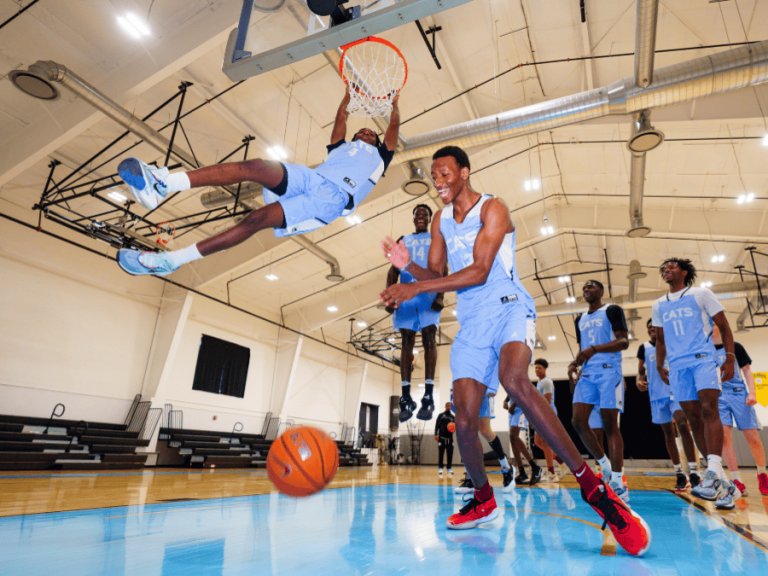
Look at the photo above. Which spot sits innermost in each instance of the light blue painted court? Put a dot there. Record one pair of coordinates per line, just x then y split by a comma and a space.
384, 529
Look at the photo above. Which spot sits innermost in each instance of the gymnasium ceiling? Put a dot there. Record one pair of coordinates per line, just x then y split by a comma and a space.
691, 187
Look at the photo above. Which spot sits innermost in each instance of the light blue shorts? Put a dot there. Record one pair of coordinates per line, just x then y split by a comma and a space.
518, 419
310, 201
686, 382
663, 409
733, 407
416, 314
475, 350
486, 408
601, 388
595, 419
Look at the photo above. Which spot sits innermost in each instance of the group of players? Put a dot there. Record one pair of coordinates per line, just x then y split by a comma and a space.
474, 237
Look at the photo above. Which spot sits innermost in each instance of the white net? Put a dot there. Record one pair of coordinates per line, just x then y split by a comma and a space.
375, 71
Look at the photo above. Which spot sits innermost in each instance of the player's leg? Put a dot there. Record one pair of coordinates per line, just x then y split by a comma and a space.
730, 457
684, 430
580, 421
746, 420
449, 451
428, 339
661, 415
440, 454
548, 456
468, 396
408, 340
493, 440
514, 438
610, 418
758, 453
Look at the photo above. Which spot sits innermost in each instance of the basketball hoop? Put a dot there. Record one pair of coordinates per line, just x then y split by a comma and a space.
165, 233
376, 71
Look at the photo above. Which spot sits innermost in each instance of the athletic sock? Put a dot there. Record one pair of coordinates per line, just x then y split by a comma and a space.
533, 466
551, 469
499, 451
605, 465
183, 256
616, 477
586, 478
406, 389
761, 469
692, 468
678, 468
484, 493
428, 387
177, 182
715, 464
558, 460
736, 475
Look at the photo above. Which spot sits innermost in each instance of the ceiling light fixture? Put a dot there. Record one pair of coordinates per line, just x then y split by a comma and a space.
551, 337
706, 284
745, 198
718, 258
765, 140
362, 324
354, 219
133, 25
117, 196
532, 185
564, 279
277, 153
570, 299
332, 308
454, 312
545, 230
271, 277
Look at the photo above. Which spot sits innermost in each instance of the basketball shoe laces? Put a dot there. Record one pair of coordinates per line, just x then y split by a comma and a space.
471, 505
610, 512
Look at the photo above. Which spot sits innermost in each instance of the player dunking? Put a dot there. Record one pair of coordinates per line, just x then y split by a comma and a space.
602, 334
422, 314
497, 317
298, 199
683, 321
665, 411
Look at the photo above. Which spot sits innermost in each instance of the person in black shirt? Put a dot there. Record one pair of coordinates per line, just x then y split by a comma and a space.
444, 438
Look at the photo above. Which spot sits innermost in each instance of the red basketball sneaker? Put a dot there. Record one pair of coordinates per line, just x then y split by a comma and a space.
474, 513
629, 529
762, 482
741, 487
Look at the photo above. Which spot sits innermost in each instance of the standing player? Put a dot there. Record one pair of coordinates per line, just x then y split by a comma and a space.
298, 199
602, 333
683, 321
519, 449
497, 316
737, 404
444, 438
665, 411
547, 388
420, 314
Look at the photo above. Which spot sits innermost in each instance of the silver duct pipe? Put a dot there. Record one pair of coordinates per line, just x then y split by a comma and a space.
634, 276
646, 12
49, 71
636, 188
646, 299
734, 69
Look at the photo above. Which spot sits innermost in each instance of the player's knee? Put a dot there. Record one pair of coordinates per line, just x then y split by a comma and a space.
682, 425
579, 424
709, 412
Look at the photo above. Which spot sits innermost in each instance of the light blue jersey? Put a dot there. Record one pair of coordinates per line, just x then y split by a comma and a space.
598, 328
657, 389
503, 284
742, 358
418, 245
686, 317
355, 167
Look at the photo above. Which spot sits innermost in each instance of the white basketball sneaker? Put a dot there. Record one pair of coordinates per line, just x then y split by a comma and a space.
147, 184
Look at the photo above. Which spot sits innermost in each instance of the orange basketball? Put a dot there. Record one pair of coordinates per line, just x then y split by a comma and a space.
451, 427
302, 461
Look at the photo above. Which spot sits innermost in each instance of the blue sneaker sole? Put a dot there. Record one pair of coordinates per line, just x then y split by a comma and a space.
131, 173
128, 260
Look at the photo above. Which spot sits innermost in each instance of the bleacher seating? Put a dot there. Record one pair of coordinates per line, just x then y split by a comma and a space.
25, 444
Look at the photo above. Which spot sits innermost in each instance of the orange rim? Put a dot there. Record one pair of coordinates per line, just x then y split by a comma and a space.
163, 227
380, 41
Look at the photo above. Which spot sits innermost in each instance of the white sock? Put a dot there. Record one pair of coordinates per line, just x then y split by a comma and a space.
692, 468
678, 468
184, 256
616, 477
715, 464
504, 463
736, 475
177, 181
605, 464
761, 469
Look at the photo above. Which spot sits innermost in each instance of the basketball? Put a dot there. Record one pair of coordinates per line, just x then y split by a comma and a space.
302, 461
451, 427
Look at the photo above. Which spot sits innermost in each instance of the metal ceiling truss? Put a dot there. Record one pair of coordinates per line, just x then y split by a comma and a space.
114, 223
757, 309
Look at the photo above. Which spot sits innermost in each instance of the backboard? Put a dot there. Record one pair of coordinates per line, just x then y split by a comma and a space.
275, 33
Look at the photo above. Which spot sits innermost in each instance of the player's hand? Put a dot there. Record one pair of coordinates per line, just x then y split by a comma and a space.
664, 373
438, 303
573, 368
437, 438
727, 369
583, 356
751, 399
395, 102
642, 386
396, 253
396, 294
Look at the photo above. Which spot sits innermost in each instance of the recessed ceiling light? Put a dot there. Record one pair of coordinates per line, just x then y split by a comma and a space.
134, 25
271, 277
551, 337
706, 284
332, 309
454, 312
547, 230
277, 153
765, 140
117, 196
533, 184
390, 339
354, 219
362, 324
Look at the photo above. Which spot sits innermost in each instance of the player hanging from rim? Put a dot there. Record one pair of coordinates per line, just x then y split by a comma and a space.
485, 430
737, 404
547, 388
683, 320
519, 449
602, 334
497, 317
665, 411
298, 199
422, 314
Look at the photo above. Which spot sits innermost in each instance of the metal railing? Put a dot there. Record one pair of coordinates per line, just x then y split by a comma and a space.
132, 409
54, 415
150, 423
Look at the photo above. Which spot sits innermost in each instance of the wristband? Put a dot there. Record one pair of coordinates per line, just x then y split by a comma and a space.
594, 350
730, 354
409, 263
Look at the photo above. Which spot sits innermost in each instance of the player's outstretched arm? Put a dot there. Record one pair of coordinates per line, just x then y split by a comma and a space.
390, 138
339, 131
